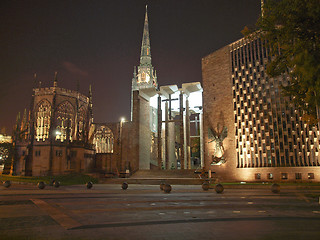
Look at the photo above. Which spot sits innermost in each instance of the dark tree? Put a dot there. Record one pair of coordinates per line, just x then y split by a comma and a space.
292, 30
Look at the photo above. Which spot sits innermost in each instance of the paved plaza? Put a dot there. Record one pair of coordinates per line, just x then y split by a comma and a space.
145, 212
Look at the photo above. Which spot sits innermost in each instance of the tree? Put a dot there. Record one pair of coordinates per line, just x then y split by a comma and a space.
292, 31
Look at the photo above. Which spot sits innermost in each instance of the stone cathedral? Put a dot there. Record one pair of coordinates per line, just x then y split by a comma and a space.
59, 135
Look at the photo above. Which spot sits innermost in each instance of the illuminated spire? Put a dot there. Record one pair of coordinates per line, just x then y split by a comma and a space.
34, 79
24, 120
90, 103
18, 122
78, 86
145, 57
55, 81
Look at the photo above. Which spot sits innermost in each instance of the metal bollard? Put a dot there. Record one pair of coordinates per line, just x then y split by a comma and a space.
162, 184
167, 188
275, 188
52, 182
56, 184
124, 186
89, 185
219, 188
7, 184
41, 185
205, 186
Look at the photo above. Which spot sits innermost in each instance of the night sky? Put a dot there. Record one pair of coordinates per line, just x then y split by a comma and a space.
98, 42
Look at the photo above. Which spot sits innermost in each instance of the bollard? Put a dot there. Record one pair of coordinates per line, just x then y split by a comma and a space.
162, 184
219, 188
56, 184
51, 183
41, 185
7, 184
124, 186
275, 188
167, 188
205, 186
89, 185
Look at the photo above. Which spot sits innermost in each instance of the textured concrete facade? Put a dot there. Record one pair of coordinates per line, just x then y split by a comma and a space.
267, 139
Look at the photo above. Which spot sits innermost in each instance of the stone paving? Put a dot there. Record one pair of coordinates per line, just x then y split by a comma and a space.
145, 212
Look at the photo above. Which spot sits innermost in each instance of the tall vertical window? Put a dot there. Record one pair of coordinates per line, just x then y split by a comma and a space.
64, 121
43, 114
81, 125
103, 140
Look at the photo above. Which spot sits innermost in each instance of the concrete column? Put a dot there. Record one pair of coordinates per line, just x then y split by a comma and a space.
188, 155
171, 146
166, 137
201, 139
185, 145
181, 132
159, 132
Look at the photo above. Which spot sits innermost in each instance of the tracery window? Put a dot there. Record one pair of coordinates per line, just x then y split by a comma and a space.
64, 121
81, 122
103, 140
43, 115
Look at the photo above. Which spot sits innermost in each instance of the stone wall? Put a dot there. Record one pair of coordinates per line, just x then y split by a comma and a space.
218, 110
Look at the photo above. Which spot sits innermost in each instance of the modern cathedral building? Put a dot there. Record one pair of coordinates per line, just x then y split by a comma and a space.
252, 132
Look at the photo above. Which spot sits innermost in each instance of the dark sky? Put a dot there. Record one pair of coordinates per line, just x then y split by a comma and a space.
98, 42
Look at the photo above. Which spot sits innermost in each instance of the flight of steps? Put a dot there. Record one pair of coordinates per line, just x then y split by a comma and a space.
183, 177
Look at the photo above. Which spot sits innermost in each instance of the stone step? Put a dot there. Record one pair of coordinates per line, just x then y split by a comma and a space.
165, 174
153, 181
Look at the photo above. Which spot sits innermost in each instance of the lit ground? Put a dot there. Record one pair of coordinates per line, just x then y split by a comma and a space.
144, 212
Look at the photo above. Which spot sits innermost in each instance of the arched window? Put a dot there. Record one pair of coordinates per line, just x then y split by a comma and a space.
82, 122
64, 121
43, 114
103, 140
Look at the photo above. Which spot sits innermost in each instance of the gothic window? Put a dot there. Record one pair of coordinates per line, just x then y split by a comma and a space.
81, 122
64, 121
103, 140
43, 114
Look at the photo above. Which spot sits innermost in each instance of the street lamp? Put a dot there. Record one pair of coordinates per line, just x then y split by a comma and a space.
122, 120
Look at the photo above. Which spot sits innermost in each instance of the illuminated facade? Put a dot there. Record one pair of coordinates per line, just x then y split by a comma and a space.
266, 139
5, 143
55, 137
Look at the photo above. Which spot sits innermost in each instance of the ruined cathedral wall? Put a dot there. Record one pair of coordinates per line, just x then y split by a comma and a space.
130, 147
40, 160
218, 111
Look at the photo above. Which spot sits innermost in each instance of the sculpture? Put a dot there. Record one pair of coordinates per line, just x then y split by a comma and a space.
218, 137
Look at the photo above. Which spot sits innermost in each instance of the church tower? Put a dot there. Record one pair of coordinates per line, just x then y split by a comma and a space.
146, 76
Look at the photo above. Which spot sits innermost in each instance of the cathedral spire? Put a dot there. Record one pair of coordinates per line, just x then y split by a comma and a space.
90, 103
145, 57
55, 81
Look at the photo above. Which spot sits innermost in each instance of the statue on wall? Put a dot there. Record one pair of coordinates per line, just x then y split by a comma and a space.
217, 137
